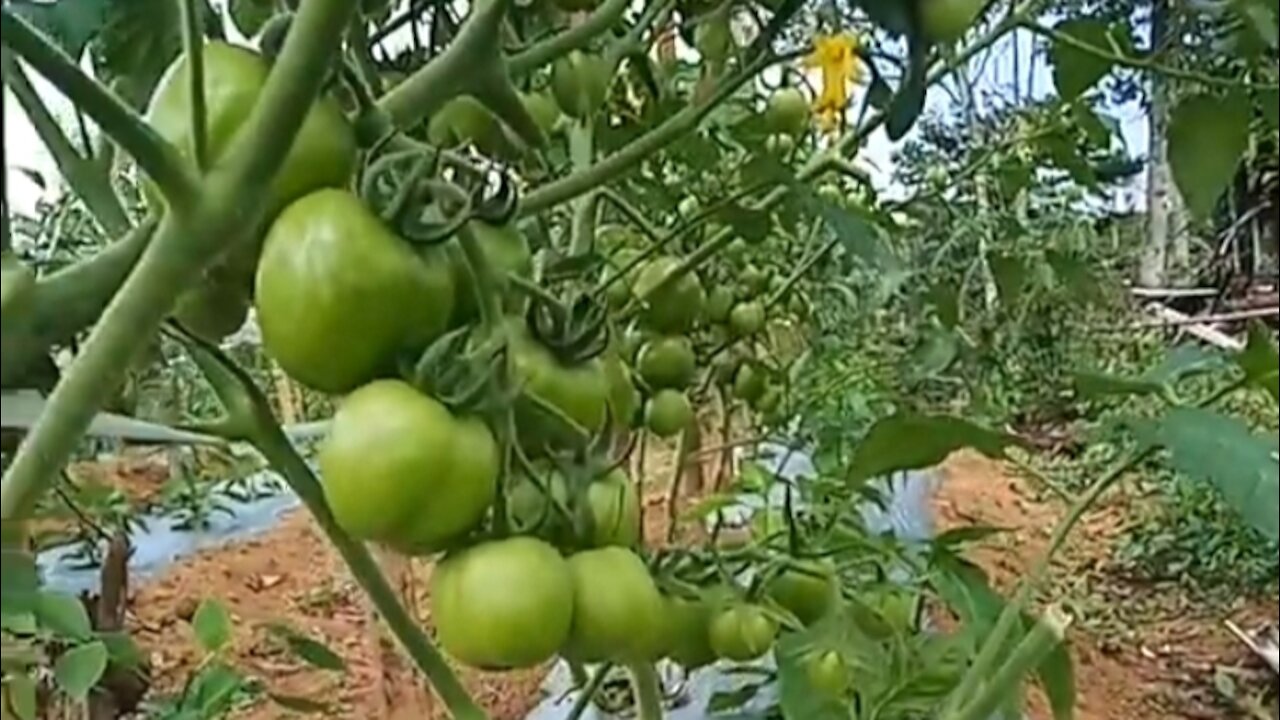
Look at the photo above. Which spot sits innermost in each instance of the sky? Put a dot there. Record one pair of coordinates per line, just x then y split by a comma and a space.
1007, 61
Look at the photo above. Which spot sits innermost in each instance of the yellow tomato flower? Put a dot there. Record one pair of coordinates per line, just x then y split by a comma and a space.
837, 57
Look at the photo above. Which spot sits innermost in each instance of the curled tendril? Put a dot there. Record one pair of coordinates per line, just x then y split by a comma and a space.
462, 370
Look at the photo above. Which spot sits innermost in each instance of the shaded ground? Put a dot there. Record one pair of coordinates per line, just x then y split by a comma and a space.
1142, 652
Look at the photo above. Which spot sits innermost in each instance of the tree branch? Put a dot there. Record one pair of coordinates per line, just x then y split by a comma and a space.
157, 158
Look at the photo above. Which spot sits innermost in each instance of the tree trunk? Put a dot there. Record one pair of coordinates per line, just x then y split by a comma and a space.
1166, 256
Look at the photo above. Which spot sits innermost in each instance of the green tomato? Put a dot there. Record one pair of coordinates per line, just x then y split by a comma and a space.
617, 609
398, 468
322, 155
668, 413
719, 304
460, 121
713, 39
828, 674
946, 21
780, 144
503, 605
507, 251
214, 309
580, 83
613, 511
340, 296
675, 308
17, 287
807, 590
749, 383
787, 112
725, 368
579, 393
543, 109
667, 362
746, 319
742, 633
689, 632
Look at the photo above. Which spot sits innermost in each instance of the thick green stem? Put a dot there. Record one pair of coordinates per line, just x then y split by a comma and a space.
801, 270
1047, 634
648, 690
601, 20
487, 283
589, 691
581, 152
230, 201
88, 180
193, 47
157, 158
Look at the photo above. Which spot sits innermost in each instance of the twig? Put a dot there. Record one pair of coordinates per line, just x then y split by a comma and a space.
1169, 319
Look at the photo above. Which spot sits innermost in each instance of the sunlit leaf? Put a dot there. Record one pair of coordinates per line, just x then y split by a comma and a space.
212, 625
911, 442
1010, 273
64, 615
19, 582
1208, 134
20, 692
1244, 466
1076, 70
79, 669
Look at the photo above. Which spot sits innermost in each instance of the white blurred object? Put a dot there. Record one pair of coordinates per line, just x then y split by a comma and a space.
1265, 643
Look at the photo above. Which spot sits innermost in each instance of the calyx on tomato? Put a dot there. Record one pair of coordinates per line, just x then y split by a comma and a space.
668, 413
742, 632
400, 469
667, 362
673, 306
617, 609
322, 155
807, 590
339, 295
580, 83
503, 604
607, 514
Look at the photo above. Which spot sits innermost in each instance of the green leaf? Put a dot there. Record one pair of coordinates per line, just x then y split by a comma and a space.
79, 669
1076, 276
1261, 15
1091, 385
22, 696
124, 652
862, 238
1223, 451
1260, 360
63, 615
212, 626
967, 535
19, 582
1270, 102
727, 700
910, 442
908, 102
750, 225
215, 690
1208, 134
140, 39
1183, 362
1010, 274
936, 352
945, 298
1076, 70
310, 651
799, 699
1064, 150
307, 706
709, 505
250, 15
69, 23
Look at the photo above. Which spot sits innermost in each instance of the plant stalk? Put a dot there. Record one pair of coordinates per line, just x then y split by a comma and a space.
193, 48
648, 690
1047, 634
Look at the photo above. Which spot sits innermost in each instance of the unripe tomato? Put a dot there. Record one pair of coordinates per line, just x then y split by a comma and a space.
624, 398
787, 112
675, 308
613, 505
507, 251
688, 206
462, 120
530, 510
398, 468
808, 590
322, 155
736, 251
746, 319
749, 383
719, 304
580, 83
780, 144
214, 309
713, 39
948, 20
579, 392
742, 633
667, 362
504, 604
543, 109
17, 287
668, 413
689, 632
617, 609
339, 295
828, 674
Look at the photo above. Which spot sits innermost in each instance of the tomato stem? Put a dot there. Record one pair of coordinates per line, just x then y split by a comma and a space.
582, 232
589, 691
486, 281
1047, 634
193, 49
601, 20
648, 690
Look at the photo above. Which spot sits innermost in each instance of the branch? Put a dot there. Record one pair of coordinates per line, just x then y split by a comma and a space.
193, 48
597, 23
157, 158
89, 181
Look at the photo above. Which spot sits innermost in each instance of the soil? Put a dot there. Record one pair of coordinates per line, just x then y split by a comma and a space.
1164, 663
1156, 654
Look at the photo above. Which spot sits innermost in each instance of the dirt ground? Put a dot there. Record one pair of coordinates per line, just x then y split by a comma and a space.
1165, 665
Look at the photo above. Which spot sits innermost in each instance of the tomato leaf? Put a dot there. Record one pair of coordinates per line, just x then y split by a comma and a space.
297, 704
79, 669
21, 696
215, 690
124, 652
1075, 275
1261, 15
1260, 360
69, 23
910, 442
212, 626
1011, 274
1223, 451
19, 583
908, 102
1076, 70
1208, 134
935, 353
308, 650
250, 15
63, 615
732, 699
